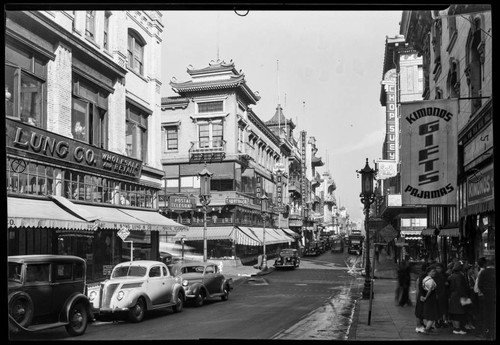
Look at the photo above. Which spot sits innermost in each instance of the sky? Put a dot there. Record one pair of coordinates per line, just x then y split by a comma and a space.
323, 67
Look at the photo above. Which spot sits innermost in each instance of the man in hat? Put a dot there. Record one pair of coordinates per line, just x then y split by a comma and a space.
487, 287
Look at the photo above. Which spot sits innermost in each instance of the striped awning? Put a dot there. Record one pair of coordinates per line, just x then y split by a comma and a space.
39, 213
413, 238
271, 236
213, 233
291, 233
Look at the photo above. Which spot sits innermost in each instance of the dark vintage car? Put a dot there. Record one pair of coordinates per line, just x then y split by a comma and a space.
355, 244
312, 249
47, 291
337, 244
287, 258
133, 289
201, 281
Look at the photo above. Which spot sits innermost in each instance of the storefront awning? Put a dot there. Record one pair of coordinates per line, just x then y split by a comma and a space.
428, 232
241, 236
156, 220
413, 238
271, 236
39, 213
291, 233
213, 233
451, 232
117, 218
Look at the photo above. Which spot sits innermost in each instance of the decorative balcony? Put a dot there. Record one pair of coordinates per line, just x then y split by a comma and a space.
207, 150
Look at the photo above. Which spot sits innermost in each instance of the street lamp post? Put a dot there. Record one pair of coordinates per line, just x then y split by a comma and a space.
263, 212
367, 198
205, 178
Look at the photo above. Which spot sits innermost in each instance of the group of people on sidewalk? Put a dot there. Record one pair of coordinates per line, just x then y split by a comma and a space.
459, 295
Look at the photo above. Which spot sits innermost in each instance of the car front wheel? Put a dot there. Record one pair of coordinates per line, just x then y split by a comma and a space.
78, 320
200, 299
177, 308
137, 312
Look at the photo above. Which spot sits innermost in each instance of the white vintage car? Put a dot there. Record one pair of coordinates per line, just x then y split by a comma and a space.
134, 288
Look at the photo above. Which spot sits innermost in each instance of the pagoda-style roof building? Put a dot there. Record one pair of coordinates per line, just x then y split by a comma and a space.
217, 76
280, 119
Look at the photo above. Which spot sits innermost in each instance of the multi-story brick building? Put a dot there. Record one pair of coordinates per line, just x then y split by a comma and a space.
82, 108
211, 123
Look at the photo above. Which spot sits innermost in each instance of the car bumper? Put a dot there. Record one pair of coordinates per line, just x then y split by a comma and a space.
290, 264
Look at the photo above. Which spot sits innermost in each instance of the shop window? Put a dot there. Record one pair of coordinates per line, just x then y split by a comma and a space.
25, 82
34, 179
222, 185
89, 116
136, 133
135, 52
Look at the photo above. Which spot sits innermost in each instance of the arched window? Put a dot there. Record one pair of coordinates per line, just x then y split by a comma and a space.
135, 52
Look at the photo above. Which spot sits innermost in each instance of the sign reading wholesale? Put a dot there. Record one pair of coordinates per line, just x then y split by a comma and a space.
429, 152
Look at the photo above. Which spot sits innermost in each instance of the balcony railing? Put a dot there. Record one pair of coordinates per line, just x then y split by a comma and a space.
208, 146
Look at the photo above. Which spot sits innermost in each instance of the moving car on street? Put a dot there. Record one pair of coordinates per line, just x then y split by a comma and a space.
134, 288
202, 280
355, 244
337, 244
287, 258
47, 291
312, 249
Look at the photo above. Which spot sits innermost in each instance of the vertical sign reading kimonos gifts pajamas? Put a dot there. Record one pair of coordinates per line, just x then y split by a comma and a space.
429, 152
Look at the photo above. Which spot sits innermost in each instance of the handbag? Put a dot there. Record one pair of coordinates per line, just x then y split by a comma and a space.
465, 301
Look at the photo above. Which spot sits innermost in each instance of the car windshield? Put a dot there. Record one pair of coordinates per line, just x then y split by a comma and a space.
286, 253
15, 271
192, 269
129, 271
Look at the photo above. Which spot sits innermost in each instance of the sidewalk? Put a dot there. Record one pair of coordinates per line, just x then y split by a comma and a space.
392, 322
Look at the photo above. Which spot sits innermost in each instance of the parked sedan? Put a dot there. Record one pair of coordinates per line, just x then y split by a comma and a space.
47, 291
202, 280
287, 258
134, 288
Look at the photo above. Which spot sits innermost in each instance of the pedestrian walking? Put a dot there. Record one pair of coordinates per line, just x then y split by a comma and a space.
458, 293
419, 304
480, 327
470, 280
430, 311
487, 286
442, 295
404, 280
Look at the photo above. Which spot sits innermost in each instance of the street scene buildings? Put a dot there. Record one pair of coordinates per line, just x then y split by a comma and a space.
103, 166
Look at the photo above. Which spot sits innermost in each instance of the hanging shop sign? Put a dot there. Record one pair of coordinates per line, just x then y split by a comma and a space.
258, 187
237, 201
279, 188
481, 186
428, 143
41, 144
389, 83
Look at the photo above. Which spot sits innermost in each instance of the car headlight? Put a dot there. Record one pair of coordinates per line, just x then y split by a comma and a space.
120, 295
92, 295
185, 283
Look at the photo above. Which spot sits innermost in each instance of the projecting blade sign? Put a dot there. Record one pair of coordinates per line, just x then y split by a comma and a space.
429, 152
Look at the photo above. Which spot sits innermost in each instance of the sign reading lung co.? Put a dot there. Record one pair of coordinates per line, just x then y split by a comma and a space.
429, 152
40, 143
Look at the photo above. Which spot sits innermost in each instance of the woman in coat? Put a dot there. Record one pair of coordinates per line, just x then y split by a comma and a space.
419, 304
430, 309
458, 290
442, 295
